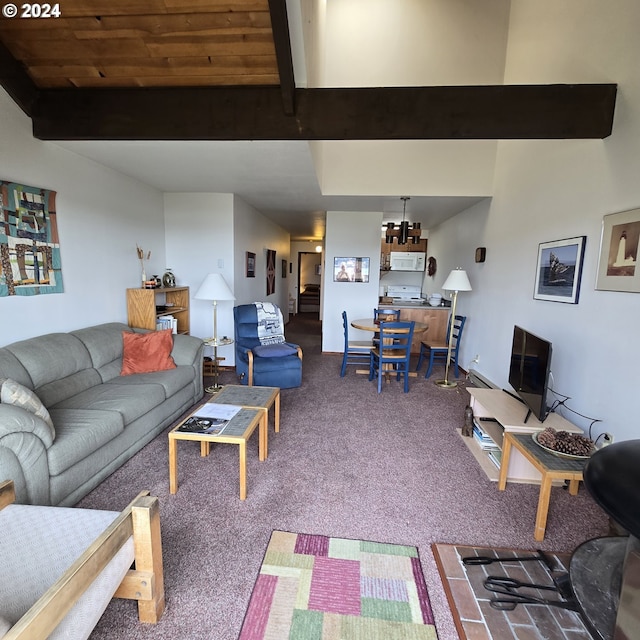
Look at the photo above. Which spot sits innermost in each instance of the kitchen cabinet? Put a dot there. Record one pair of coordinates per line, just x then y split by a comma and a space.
386, 249
436, 317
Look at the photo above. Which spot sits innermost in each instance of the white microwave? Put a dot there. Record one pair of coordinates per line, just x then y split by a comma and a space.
407, 261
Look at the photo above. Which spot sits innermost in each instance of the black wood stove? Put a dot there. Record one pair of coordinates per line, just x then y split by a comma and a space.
605, 572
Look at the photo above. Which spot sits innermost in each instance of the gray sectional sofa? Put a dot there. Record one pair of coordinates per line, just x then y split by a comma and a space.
100, 418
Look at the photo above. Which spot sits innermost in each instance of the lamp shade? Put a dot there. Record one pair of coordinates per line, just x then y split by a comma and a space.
214, 287
457, 281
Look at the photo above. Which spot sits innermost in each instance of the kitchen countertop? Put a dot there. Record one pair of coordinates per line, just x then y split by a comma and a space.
408, 305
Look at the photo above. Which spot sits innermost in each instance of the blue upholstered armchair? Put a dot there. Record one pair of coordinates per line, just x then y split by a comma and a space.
265, 361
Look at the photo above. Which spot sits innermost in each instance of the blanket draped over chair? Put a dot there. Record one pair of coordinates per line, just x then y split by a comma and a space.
270, 323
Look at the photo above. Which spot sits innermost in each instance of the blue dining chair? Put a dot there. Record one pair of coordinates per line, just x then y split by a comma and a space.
384, 315
437, 351
395, 350
355, 351
387, 315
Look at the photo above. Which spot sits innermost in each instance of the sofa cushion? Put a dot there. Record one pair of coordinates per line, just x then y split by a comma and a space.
5, 625
79, 434
147, 352
131, 401
172, 381
50, 358
103, 342
12, 392
11, 367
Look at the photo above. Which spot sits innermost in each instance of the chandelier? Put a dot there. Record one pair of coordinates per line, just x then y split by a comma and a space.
403, 232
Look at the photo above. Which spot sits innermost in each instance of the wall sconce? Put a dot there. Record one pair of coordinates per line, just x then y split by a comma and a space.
404, 231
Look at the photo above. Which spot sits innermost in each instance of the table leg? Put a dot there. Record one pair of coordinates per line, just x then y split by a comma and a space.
276, 412
205, 447
243, 469
263, 436
173, 465
573, 487
543, 507
504, 463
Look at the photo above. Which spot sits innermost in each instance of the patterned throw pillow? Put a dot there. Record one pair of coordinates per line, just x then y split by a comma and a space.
12, 392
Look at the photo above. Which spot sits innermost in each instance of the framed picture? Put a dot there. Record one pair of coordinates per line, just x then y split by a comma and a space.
559, 270
617, 266
284, 268
271, 271
351, 269
251, 265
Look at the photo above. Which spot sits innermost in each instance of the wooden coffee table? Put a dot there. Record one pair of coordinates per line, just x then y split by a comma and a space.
238, 431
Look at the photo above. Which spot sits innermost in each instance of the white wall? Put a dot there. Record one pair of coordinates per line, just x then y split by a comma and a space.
253, 232
415, 42
349, 234
199, 227
101, 216
549, 190
211, 233
407, 43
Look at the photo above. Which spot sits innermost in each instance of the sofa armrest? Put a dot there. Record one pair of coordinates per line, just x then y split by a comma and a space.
16, 419
24, 440
187, 350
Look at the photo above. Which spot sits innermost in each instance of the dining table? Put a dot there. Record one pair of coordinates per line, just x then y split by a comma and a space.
373, 325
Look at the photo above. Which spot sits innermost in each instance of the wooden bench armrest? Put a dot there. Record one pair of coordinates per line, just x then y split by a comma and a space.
7, 493
144, 583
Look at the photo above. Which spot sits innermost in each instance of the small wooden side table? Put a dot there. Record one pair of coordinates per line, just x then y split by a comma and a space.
551, 468
238, 431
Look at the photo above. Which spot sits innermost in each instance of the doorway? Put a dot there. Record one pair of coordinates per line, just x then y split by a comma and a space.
309, 279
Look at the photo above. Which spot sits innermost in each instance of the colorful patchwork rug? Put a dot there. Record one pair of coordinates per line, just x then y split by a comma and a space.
319, 588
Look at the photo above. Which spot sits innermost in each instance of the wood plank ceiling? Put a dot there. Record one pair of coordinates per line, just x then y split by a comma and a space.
147, 43
222, 70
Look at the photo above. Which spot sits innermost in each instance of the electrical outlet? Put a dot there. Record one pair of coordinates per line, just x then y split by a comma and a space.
476, 360
607, 439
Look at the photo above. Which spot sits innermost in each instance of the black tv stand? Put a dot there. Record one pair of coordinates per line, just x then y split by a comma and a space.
518, 398
527, 416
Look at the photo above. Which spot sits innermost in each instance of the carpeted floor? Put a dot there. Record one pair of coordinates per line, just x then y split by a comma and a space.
347, 463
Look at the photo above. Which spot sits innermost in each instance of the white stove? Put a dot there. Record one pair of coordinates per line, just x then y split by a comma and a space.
405, 294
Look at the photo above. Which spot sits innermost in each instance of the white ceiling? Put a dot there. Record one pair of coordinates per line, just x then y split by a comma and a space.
275, 177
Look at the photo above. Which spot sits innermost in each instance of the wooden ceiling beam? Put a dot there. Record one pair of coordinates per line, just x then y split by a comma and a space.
282, 42
16, 81
255, 113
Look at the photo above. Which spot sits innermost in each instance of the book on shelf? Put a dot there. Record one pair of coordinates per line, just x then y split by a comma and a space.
482, 438
167, 322
210, 419
495, 455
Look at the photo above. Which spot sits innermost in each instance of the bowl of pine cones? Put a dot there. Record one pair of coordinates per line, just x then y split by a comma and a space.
564, 443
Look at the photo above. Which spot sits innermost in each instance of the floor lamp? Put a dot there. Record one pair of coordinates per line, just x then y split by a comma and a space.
215, 288
457, 281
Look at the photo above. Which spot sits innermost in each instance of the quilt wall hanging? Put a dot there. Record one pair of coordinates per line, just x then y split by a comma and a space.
29, 243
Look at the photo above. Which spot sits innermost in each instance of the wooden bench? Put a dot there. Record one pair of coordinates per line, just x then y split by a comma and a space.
139, 522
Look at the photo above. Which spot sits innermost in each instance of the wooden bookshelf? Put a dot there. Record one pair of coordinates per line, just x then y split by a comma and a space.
142, 312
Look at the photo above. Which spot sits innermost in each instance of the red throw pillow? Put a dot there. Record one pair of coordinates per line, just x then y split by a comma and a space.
147, 352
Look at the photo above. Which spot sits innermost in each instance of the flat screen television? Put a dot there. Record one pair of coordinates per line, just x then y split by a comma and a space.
529, 371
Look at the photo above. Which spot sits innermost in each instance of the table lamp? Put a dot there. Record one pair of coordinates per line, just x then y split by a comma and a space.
215, 288
457, 281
